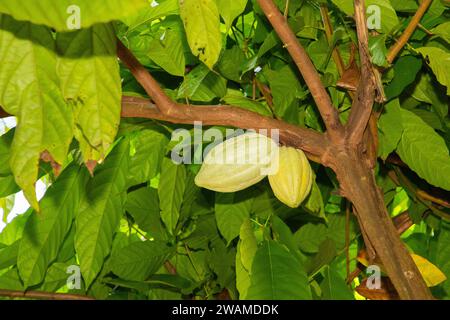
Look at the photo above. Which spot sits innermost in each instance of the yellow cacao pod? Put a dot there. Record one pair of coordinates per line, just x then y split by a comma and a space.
292, 182
237, 163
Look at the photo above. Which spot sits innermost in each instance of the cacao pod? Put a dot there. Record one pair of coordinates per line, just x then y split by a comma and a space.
237, 163
292, 182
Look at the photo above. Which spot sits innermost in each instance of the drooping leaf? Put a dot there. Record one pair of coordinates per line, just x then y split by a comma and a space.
167, 52
64, 15
100, 212
44, 233
90, 82
202, 24
29, 89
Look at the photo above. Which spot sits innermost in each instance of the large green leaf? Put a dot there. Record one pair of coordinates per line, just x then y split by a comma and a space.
424, 151
202, 24
230, 10
439, 61
44, 233
63, 14
388, 16
139, 260
100, 212
171, 190
90, 82
29, 89
232, 209
277, 275
168, 53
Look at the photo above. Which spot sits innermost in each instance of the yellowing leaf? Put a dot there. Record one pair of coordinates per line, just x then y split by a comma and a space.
202, 24
430, 273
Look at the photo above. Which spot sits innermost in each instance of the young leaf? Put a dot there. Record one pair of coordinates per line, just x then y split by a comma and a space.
439, 62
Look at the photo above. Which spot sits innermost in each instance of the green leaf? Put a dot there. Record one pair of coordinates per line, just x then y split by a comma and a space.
139, 260
64, 15
443, 254
334, 287
390, 128
201, 84
277, 275
44, 233
388, 16
405, 72
100, 212
143, 205
235, 98
285, 88
152, 12
232, 209
146, 154
248, 244
29, 89
230, 10
443, 31
171, 190
424, 151
439, 62
168, 53
10, 280
8, 255
202, 24
90, 82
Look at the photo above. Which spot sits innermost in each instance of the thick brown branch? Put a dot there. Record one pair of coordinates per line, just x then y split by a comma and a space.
401, 42
310, 75
308, 140
42, 295
365, 96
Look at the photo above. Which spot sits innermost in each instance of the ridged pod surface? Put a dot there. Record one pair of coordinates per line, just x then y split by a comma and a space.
237, 163
293, 180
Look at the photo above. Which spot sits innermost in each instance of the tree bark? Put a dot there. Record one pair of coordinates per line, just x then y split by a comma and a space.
358, 184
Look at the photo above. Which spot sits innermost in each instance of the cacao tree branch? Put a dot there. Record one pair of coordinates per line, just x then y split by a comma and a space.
312, 142
42, 295
406, 35
280, 24
365, 96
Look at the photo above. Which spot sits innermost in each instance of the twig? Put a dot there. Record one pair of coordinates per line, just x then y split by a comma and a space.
280, 24
42, 295
401, 42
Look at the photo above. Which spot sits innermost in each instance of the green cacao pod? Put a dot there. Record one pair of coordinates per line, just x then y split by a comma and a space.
237, 163
292, 182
